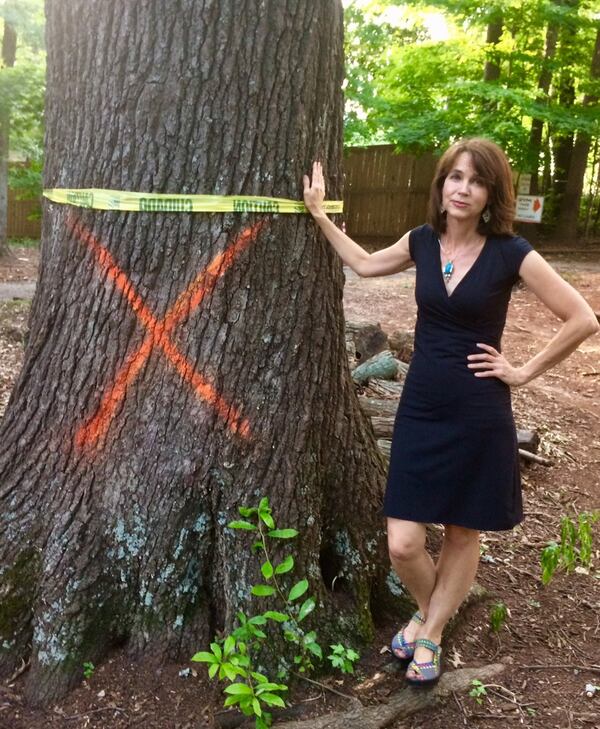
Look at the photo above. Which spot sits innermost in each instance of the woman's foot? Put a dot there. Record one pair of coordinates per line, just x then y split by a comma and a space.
403, 643
426, 666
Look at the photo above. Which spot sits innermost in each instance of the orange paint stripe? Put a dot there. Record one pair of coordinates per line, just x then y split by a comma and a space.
207, 279
97, 427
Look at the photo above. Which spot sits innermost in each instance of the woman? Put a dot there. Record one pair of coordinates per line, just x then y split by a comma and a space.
454, 457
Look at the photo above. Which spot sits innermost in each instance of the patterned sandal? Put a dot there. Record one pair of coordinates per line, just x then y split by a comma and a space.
426, 674
401, 648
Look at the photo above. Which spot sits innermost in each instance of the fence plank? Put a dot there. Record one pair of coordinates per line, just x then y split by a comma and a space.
386, 193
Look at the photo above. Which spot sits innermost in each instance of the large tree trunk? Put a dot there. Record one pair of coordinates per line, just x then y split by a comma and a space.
537, 125
9, 51
138, 424
571, 201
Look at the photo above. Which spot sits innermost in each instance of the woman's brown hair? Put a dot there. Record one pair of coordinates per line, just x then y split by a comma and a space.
492, 166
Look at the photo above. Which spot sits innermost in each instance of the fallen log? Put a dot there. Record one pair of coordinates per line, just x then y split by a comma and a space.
535, 458
386, 389
373, 406
383, 366
385, 444
367, 339
404, 702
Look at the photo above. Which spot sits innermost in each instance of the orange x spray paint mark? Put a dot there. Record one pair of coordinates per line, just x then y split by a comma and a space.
158, 334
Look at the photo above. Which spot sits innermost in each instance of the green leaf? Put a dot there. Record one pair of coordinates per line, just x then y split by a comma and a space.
247, 511
277, 616
263, 504
273, 700
260, 677
242, 525
238, 689
229, 645
256, 707
231, 700
307, 607
230, 671
204, 657
212, 670
315, 649
298, 589
283, 533
285, 566
256, 632
263, 590
267, 518
267, 570
258, 620
216, 649
268, 686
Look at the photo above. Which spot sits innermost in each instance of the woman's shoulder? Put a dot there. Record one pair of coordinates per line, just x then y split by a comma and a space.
513, 249
419, 237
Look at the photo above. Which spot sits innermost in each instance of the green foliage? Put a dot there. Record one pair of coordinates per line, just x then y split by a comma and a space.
498, 616
576, 538
406, 88
88, 669
343, 658
233, 658
478, 691
22, 90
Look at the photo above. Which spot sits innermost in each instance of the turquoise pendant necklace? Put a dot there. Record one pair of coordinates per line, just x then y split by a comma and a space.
449, 267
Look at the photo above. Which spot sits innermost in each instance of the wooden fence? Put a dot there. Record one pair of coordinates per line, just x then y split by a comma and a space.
19, 224
385, 193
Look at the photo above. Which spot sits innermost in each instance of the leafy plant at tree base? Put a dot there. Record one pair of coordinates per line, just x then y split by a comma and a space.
478, 691
343, 658
233, 658
88, 669
498, 616
575, 546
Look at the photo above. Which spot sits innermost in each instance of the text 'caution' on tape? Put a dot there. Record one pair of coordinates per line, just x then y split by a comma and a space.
143, 202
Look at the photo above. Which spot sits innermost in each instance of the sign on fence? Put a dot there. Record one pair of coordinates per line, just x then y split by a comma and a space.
529, 208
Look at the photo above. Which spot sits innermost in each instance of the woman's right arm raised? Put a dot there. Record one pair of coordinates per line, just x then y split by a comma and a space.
381, 263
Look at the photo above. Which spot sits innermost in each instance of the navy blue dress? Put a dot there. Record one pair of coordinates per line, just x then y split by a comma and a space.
454, 456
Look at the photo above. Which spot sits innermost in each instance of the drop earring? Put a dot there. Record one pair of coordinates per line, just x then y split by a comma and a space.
486, 216
442, 209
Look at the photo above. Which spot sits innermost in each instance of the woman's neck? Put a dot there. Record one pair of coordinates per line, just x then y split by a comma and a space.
459, 232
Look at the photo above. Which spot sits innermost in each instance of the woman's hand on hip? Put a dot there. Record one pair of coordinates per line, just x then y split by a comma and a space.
492, 363
314, 192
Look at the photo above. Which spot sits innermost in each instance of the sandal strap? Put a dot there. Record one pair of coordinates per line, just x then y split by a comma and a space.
418, 618
426, 643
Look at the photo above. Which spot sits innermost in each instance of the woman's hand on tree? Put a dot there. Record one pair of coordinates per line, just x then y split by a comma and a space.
314, 193
494, 364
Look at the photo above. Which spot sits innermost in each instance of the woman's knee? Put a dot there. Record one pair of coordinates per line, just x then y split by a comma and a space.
460, 536
405, 539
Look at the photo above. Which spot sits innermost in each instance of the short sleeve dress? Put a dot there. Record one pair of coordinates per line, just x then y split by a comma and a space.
454, 455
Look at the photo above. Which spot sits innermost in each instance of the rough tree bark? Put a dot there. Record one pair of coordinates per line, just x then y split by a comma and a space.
537, 125
571, 201
9, 51
114, 498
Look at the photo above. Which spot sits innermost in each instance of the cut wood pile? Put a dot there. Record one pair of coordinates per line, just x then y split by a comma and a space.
379, 363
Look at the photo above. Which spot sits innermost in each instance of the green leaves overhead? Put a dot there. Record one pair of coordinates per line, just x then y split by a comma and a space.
407, 88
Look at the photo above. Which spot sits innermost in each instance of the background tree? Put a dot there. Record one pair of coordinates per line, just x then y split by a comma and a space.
22, 72
144, 416
536, 57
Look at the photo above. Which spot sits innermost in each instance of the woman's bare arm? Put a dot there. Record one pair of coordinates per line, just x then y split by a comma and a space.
381, 263
564, 302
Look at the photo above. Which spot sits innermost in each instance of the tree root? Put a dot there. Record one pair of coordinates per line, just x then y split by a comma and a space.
403, 703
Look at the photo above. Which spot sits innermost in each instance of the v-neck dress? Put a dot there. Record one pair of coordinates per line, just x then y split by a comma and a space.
454, 455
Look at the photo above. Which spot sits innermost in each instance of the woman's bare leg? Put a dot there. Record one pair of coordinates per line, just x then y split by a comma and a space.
412, 564
455, 569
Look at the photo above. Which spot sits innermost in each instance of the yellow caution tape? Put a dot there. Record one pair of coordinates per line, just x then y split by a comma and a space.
153, 203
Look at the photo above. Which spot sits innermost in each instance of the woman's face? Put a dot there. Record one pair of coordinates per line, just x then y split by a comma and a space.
464, 195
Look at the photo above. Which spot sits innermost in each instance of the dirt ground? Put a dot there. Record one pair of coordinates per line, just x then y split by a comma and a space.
550, 642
